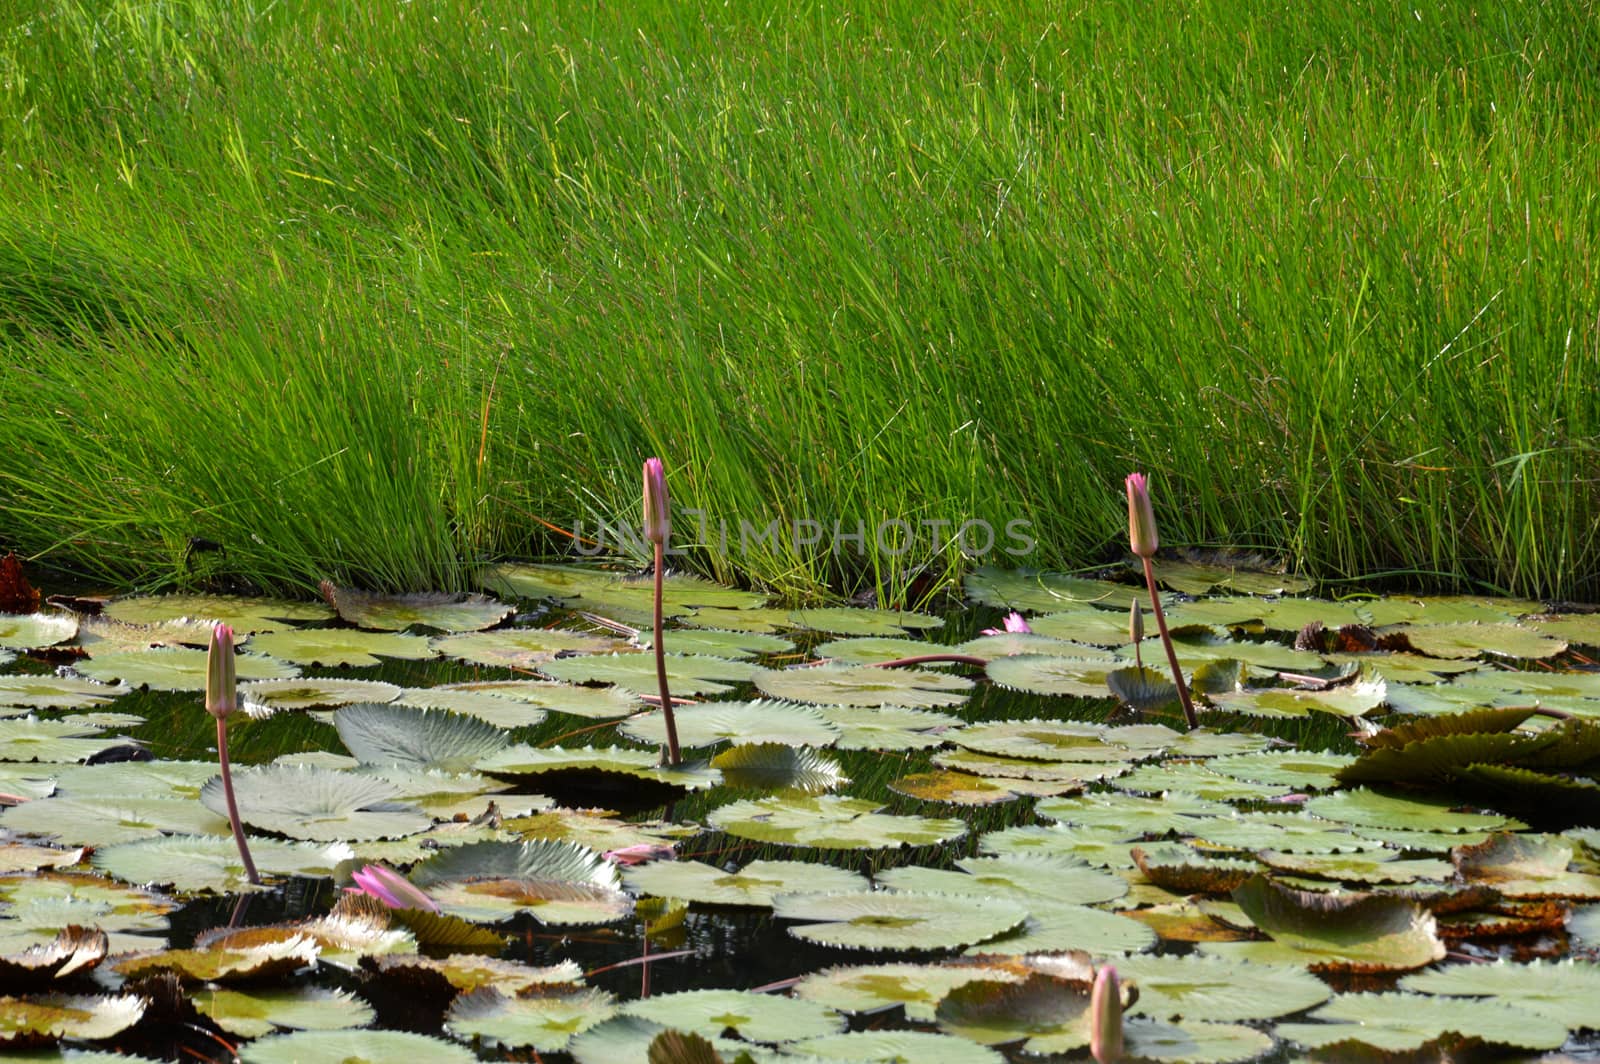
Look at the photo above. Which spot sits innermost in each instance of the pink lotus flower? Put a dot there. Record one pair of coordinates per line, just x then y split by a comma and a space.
640, 852
657, 508
391, 888
1142, 538
1014, 623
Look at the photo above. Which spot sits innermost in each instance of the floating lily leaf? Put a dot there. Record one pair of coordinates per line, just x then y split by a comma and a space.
31, 739
715, 722
1580, 628
1183, 871
887, 727
1022, 877
1006, 644
1376, 809
358, 926
544, 1022
1129, 816
1101, 628
1052, 1014
896, 1046
438, 977
35, 630
1440, 759
1562, 991
1347, 700
339, 646
1043, 740
596, 703
74, 950
852, 620
755, 884
719, 644
864, 685
1398, 1023
597, 589
245, 614
1030, 590
831, 823
596, 832
28, 857
1042, 674
1071, 773
40, 907
1206, 988
1526, 866
485, 706
1343, 932
1054, 927
1279, 615
195, 863
689, 674
522, 648
176, 669
1584, 925
134, 779
1193, 777
1204, 742
1193, 1042
351, 1047
917, 987
962, 788
101, 821
1543, 685
268, 960
1304, 769
626, 1039
431, 609
1143, 689
1294, 832
417, 738
42, 1019
264, 697
1471, 640
558, 882
757, 1017
778, 767
523, 763
1373, 866
1197, 578
756, 619
877, 920
316, 804
56, 692
251, 1015
1551, 800
1097, 846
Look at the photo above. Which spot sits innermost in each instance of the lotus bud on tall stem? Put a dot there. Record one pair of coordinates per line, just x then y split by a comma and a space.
1136, 631
1105, 1017
1142, 539
222, 698
658, 529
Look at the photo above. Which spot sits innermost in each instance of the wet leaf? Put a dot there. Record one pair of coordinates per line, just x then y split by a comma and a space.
756, 884
917, 987
688, 674
1401, 1022
265, 697
1343, 932
176, 669
828, 822
779, 767
430, 609
757, 1017
864, 685
417, 738
877, 920
194, 863
351, 1047
544, 1022
316, 804
761, 721
523, 648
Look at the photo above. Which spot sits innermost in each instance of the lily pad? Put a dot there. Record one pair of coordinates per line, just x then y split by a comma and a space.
917, 987
101, 821
1526, 866
339, 646
962, 788
1030, 590
1055, 926
1401, 1022
317, 804
1043, 674
865, 685
868, 1046
831, 823
558, 882
1471, 640
756, 884
718, 644
1307, 769
1376, 809
1021, 877
688, 674
1193, 1042
1131, 817
1052, 1014
253, 1014
244, 614
1042, 740
522, 648
351, 1047
200, 863
544, 1022
430, 609
877, 920
56, 692
1563, 991
779, 767
176, 669
31, 739
1349, 933
1206, 988
887, 728
264, 697
523, 763
757, 1017
417, 738
596, 703
715, 722
42, 1019
1346, 700
34, 630
851, 620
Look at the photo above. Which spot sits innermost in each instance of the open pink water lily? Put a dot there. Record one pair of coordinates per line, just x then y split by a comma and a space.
391, 888
640, 852
1014, 623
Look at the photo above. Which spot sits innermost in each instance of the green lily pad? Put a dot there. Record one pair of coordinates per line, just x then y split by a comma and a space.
1101, 628
779, 767
1069, 773
878, 920
1006, 644
29, 857
852, 620
56, 692
522, 648
717, 643
1346, 700
40, 907
339, 646
831, 823
317, 804
244, 614
1563, 991
757, 1017
417, 738
262, 698
1193, 1042
887, 728
687, 674
1021, 877
1377, 809
1183, 871
710, 723
176, 669
1131, 817
522, 763
351, 1047
1526, 866
430, 609
271, 958
1580, 628
1042, 674
1343, 932
201, 863
1401, 1022
253, 1014
1294, 832
1194, 777
754, 619
1472, 640
865, 685
558, 882
917, 987
42, 1019
485, 706
1101, 847
1029, 590
1041, 740
896, 1046
1440, 759
962, 788
1304, 769
544, 1022
101, 821
31, 739
35, 630
1207, 988
1052, 1014
598, 833
595, 703
1056, 926
756, 884
1373, 866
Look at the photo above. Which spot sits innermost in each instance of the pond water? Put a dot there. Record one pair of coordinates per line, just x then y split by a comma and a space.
982, 775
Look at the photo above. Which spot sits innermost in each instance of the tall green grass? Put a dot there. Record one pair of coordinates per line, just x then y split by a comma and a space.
375, 294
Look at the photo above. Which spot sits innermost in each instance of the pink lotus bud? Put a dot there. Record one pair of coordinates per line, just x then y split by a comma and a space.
1105, 1016
392, 888
1015, 624
640, 852
1135, 622
222, 687
1142, 538
657, 510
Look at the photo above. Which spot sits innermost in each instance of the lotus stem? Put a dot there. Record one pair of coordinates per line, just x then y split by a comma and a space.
1144, 541
658, 529
1166, 641
674, 757
233, 806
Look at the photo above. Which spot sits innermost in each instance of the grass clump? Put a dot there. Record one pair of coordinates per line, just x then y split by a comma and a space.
371, 296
